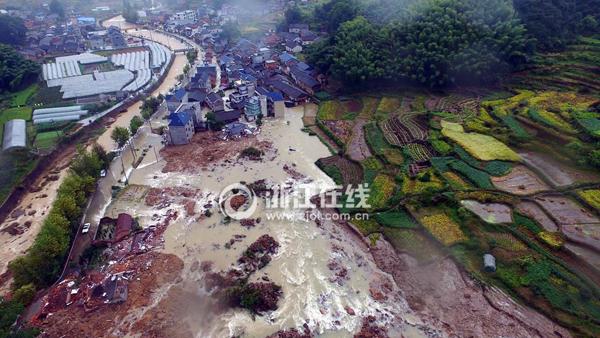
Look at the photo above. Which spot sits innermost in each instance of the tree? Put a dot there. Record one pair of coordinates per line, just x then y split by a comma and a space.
555, 23
86, 163
15, 71
440, 42
293, 15
13, 30
231, 31
129, 13
192, 55
24, 294
57, 8
150, 106
120, 135
135, 124
335, 12
355, 53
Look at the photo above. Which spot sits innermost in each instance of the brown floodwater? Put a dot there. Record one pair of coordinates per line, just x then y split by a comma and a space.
301, 266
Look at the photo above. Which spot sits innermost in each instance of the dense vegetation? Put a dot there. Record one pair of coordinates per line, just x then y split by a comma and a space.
554, 23
44, 261
437, 43
13, 30
15, 71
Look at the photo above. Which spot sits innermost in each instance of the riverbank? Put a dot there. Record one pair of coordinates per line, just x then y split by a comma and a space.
30, 212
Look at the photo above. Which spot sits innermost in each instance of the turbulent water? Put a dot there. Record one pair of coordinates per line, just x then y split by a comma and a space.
311, 294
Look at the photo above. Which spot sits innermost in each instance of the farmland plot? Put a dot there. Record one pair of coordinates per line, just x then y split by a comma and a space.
520, 181
494, 213
534, 211
352, 172
566, 211
404, 129
358, 149
556, 172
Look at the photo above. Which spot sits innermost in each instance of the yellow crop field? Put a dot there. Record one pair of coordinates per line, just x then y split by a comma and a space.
443, 228
482, 147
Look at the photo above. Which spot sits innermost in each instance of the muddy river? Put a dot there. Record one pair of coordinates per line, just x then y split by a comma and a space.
302, 266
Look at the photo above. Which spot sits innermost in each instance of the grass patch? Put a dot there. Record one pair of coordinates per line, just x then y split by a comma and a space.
13, 167
396, 219
22, 97
328, 110
443, 228
382, 189
482, 147
47, 140
591, 197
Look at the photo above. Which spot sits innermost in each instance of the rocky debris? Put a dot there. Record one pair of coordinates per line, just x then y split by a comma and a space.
14, 229
189, 206
340, 273
232, 286
369, 329
208, 148
235, 239
67, 310
258, 254
237, 201
161, 198
17, 213
260, 188
292, 333
249, 222
296, 175
349, 310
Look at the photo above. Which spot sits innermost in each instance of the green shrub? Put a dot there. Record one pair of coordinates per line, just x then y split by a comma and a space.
515, 127
396, 219
478, 177
24, 294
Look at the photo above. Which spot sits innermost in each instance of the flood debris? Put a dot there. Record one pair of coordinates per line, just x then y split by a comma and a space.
232, 287
370, 329
208, 148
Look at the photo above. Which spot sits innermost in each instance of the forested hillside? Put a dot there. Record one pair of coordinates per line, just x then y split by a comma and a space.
441, 42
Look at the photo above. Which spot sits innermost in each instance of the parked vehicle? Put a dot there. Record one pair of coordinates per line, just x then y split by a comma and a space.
86, 228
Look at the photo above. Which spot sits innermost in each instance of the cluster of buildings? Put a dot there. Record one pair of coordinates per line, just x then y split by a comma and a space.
246, 81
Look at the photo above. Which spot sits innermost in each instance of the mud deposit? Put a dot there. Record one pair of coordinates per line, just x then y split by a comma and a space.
307, 275
520, 181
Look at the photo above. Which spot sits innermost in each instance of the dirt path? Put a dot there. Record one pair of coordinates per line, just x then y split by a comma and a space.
358, 149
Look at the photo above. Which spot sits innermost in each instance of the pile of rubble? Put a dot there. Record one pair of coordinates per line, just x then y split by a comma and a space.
232, 286
108, 284
208, 148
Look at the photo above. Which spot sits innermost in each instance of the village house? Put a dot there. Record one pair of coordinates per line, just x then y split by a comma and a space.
194, 109
181, 128
227, 116
304, 80
215, 102
111, 230
297, 27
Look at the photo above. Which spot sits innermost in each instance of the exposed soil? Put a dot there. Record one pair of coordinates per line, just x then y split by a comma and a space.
584, 234
554, 171
442, 293
342, 129
533, 210
490, 212
566, 211
520, 181
151, 270
207, 148
358, 149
